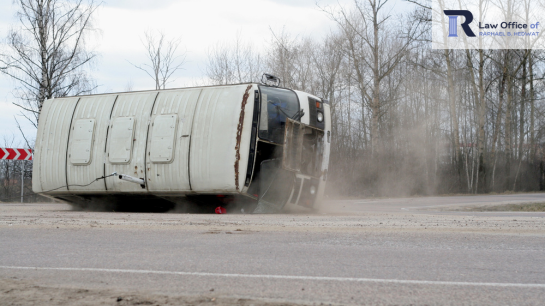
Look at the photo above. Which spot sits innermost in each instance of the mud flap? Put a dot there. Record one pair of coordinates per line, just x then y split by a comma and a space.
274, 188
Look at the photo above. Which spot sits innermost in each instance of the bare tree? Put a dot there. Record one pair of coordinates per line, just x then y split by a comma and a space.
164, 58
46, 53
376, 45
292, 59
448, 120
237, 62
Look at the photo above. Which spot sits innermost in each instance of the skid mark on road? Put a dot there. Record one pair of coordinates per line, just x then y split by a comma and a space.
285, 277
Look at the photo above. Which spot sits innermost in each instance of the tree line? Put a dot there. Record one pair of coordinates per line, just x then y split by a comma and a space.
406, 119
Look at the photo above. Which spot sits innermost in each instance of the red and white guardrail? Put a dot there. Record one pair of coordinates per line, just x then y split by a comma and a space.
16, 154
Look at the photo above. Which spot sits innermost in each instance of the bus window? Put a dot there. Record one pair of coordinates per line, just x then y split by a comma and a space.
276, 106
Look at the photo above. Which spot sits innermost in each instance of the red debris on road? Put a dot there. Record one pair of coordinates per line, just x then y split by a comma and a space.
221, 210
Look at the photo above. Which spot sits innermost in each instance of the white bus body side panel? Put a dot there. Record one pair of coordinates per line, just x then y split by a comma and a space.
214, 163
37, 166
137, 106
52, 143
210, 149
97, 108
172, 176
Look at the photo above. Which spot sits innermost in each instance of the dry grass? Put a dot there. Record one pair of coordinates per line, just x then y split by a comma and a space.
529, 207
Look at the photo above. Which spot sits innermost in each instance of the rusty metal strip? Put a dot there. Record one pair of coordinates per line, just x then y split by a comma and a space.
239, 132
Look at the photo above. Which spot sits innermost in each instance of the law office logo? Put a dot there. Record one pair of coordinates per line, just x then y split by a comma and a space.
453, 22
487, 24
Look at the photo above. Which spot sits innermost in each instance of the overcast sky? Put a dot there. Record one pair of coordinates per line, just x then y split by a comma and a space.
199, 23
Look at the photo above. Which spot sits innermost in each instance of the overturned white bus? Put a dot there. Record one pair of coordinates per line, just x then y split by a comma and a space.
251, 146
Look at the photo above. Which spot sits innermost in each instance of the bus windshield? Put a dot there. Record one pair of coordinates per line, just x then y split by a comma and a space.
277, 105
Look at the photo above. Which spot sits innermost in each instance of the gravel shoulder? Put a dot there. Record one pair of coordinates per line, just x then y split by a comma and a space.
61, 216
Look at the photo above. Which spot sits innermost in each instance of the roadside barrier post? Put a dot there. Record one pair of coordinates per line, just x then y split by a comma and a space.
18, 154
22, 180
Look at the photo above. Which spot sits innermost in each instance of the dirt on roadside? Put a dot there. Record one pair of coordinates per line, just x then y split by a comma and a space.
15, 292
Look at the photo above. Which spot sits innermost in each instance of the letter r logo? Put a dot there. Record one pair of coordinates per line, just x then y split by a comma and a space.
453, 23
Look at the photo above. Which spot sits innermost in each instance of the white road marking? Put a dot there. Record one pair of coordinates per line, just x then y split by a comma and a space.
287, 277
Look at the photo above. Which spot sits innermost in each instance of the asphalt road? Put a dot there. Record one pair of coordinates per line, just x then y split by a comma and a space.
412, 251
